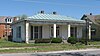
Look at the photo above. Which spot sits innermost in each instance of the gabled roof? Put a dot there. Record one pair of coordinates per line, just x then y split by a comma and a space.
92, 18
2, 19
53, 17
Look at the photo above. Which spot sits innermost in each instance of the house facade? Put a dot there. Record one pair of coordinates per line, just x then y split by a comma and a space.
47, 26
5, 28
95, 26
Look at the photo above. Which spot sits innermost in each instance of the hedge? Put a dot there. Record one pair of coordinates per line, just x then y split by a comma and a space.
56, 40
42, 40
72, 40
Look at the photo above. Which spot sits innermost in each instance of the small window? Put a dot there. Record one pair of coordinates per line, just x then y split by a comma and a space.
18, 32
10, 20
93, 31
5, 26
10, 27
5, 20
37, 32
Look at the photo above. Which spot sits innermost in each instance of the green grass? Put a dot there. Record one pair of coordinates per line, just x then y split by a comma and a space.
43, 47
51, 47
4, 43
94, 42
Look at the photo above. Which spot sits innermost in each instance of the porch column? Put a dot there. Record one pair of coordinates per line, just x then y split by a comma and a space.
27, 32
54, 30
89, 32
68, 30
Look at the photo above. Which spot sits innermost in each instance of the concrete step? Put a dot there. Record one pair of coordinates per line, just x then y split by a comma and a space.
31, 41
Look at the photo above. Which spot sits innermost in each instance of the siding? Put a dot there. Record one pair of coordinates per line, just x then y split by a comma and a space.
2, 30
64, 31
15, 38
46, 31
79, 32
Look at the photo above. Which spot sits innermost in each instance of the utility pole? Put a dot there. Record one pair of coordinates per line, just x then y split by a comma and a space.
87, 24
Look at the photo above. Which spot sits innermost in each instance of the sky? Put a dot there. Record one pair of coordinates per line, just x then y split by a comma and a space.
72, 8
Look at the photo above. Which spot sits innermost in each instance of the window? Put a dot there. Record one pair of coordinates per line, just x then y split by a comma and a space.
9, 26
10, 20
31, 33
73, 31
93, 31
5, 20
57, 31
6, 26
37, 32
18, 32
52, 31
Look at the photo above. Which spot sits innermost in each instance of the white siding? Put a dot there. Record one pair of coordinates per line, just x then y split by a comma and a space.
64, 31
46, 31
79, 32
15, 38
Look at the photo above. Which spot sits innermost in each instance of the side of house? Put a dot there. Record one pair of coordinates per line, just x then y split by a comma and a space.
5, 28
95, 26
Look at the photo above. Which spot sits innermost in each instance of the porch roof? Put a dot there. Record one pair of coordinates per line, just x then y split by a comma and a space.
52, 17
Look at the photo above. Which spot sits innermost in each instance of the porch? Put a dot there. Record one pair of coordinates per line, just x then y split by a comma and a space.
44, 26
47, 31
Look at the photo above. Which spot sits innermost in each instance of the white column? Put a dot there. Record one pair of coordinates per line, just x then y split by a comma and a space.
68, 30
27, 32
54, 30
89, 32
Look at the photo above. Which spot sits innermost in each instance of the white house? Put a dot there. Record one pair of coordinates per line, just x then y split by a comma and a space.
47, 26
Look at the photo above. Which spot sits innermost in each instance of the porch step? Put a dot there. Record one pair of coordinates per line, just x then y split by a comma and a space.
64, 41
31, 41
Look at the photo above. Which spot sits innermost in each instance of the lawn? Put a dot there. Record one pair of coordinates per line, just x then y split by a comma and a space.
43, 47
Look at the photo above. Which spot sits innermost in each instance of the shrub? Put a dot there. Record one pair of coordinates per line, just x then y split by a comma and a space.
42, 40
82, 40
96, 38
56, 40
72, 40
9, 38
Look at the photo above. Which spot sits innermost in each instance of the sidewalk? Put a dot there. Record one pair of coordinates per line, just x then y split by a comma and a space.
82, 52
15, 48
72, 51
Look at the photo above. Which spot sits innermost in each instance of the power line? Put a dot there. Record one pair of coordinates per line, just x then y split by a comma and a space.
61, 4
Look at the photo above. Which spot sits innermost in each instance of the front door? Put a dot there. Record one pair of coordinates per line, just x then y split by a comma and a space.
37, 32
73, 31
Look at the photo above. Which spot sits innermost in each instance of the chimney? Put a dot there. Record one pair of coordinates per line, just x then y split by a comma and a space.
15, 19
90, 13
54, 13
42, 12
